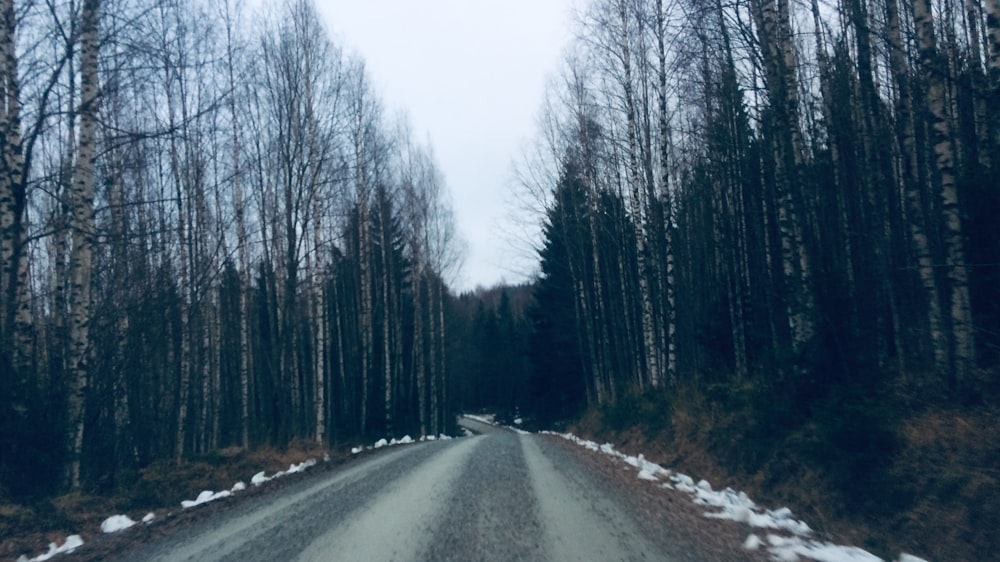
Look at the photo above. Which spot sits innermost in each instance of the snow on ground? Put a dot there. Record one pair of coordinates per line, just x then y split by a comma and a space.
72, 543
116, 523
484, 418
205, 497
405, 440
262, 477
490, 419
797, 540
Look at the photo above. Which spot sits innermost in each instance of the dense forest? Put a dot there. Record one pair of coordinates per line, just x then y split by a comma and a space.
794, 197
770, 229
212, 235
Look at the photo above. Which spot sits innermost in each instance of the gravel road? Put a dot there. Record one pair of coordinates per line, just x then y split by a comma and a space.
494, 496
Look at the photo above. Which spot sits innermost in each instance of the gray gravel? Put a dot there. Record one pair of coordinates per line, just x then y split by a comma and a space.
495, 496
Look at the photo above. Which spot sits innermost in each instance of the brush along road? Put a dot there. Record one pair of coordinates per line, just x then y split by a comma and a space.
497, 495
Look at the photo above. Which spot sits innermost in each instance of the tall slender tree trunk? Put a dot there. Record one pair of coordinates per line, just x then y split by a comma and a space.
83, 235
993, 72
773, 23
665, 197
650, 353
184, 382
386, 286
916, 217
241, 235
364, 270
419, 345
962, 345
8, 92
15, 311
442, 405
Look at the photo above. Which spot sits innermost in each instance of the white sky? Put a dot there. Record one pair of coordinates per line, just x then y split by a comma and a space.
471, 76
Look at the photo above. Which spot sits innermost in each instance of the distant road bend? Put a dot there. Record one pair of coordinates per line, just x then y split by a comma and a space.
494, 496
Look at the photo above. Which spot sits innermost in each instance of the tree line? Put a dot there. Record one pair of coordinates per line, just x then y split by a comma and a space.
785, 201
212, 235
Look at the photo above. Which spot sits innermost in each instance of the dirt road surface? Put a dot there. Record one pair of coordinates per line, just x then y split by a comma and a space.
498, 495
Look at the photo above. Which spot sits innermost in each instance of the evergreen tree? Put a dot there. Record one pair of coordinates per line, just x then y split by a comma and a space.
559, 366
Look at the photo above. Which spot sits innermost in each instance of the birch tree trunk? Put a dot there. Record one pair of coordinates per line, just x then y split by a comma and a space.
993, 70
962, 345
363, 198
184, 381
772, 20
650, 353
241, 239
442, 359
665, 197
8, 91
906, 134
83, 235
15, 312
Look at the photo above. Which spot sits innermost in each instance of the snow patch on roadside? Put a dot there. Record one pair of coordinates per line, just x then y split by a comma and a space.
120, 522
205, 497
262, 477
72, 543
736, 506
484, 418
116, 523
490, 419
405, 440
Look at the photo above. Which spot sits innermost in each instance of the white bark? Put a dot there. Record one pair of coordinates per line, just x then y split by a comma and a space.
962, 345
241, 234
635, 179
83, 234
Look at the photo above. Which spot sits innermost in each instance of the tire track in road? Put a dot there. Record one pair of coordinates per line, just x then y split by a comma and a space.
581, 523
399, 522
492, 513
275, 528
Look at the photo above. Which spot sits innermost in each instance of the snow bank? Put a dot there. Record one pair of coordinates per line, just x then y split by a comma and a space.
405, 440
293, 468
205, 497
485, 418
72, 543
116, 523
490, 419
262, 476
736, 506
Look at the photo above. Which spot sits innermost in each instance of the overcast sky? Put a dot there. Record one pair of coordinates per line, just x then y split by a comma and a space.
471, 75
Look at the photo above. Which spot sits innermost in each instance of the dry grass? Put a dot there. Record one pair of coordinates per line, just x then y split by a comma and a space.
935, 494
159, 489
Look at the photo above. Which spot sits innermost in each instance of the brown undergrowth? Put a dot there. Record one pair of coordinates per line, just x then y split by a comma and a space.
929, 486
28, 527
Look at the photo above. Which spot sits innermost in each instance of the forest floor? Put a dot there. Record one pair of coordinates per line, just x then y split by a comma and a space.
933, 490
27, 527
